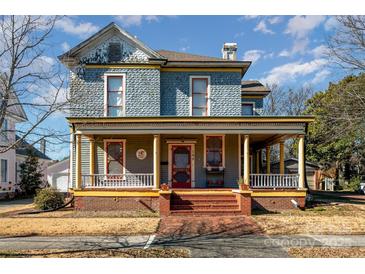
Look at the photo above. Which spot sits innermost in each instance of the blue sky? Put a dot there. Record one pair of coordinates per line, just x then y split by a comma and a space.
286, 50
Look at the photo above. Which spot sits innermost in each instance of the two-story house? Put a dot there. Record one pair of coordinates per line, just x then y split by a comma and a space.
173, 132
14, 114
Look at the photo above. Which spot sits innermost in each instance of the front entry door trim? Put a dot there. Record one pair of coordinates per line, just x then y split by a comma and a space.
192, 161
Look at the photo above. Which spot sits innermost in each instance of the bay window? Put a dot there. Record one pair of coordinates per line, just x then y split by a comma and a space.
199, 96
114, 95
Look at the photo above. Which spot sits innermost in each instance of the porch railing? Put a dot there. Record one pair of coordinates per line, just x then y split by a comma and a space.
274, 180
141, 180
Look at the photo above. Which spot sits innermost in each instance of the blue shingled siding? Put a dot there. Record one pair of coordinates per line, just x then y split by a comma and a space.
225, 94
259, 104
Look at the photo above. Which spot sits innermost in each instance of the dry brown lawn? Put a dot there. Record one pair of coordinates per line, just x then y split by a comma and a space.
107, 253
333, 219
20, 226
327, 252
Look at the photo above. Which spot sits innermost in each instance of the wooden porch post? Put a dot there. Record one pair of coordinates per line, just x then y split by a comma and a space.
239, 157
301, 162
156, 161
246, 159
282, 167
92, 159
268, 163
78, 162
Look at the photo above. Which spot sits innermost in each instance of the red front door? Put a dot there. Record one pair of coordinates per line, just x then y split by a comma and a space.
181, 166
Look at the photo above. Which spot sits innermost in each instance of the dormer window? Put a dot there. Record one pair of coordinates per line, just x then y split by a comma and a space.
248, 109
114, 95
114, 53
199, 90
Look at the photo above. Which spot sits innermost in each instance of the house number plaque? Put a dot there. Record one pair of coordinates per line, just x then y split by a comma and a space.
141, 154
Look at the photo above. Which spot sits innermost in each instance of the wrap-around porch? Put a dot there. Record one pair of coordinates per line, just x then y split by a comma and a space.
182, 161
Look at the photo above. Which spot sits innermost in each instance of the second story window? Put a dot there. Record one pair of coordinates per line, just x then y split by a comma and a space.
200, 96
248, 109
114, 95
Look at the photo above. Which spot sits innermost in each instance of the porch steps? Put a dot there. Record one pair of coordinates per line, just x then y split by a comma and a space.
204, 204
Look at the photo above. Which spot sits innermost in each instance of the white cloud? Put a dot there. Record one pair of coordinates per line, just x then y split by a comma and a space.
261, 27
239, 34
65, 46
290, 71
331, 23
320, 76
275, 20
253, 55
184, 48
136, 20
299, 46
247, 17
319, 51
300, 26
82, 29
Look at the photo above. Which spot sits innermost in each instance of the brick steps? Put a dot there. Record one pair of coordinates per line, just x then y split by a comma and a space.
204, 204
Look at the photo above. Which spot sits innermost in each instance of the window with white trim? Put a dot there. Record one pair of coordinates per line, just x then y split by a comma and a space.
214, 151
200, 96
4, 170
248, 109
114, 95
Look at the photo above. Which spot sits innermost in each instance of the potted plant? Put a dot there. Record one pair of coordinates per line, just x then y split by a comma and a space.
165, 187
242, 185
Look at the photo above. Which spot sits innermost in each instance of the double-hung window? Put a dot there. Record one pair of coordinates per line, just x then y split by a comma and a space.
4, 170
114, 95
200, 96
248, 109
214, 151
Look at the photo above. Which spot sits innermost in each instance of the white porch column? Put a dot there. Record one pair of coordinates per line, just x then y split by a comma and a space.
78, 162
156, 161
239, 157
268, 160
301, 162
92, 159
282, 167
246, 159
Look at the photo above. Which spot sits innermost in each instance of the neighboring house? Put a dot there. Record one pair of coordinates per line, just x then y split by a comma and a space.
15, 115
291, 167
169, 131
58, 175
40, 153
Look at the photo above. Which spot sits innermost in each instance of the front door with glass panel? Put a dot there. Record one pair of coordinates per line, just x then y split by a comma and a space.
181, 166
114, 161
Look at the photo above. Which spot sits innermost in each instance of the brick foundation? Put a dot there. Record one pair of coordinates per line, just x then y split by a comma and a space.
150, 204
276, 203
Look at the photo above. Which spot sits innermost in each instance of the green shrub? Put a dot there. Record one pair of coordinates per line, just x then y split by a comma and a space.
354, 183
48, 198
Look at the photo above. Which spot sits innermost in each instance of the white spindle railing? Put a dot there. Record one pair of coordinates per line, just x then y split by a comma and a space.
142, 180
274, 180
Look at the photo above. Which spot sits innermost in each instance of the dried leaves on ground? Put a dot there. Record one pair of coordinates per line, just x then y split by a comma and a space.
333, 219
77, 226
105, 253
327, 252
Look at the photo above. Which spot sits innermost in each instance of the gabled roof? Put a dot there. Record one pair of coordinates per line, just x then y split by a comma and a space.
94, 38
15, 108
23, 147
175, 56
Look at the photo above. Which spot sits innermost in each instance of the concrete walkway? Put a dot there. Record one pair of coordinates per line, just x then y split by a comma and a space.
246, 246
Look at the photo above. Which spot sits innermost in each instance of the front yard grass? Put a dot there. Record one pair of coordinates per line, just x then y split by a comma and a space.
105, 253
338, 219
327, 252
69, 222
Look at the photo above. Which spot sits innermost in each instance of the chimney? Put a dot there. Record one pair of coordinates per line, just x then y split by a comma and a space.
42, 146
229, 51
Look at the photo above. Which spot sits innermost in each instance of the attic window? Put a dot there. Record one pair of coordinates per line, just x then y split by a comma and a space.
114, 52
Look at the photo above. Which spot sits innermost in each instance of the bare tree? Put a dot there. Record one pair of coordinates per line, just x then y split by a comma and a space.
347, 44
29, 79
